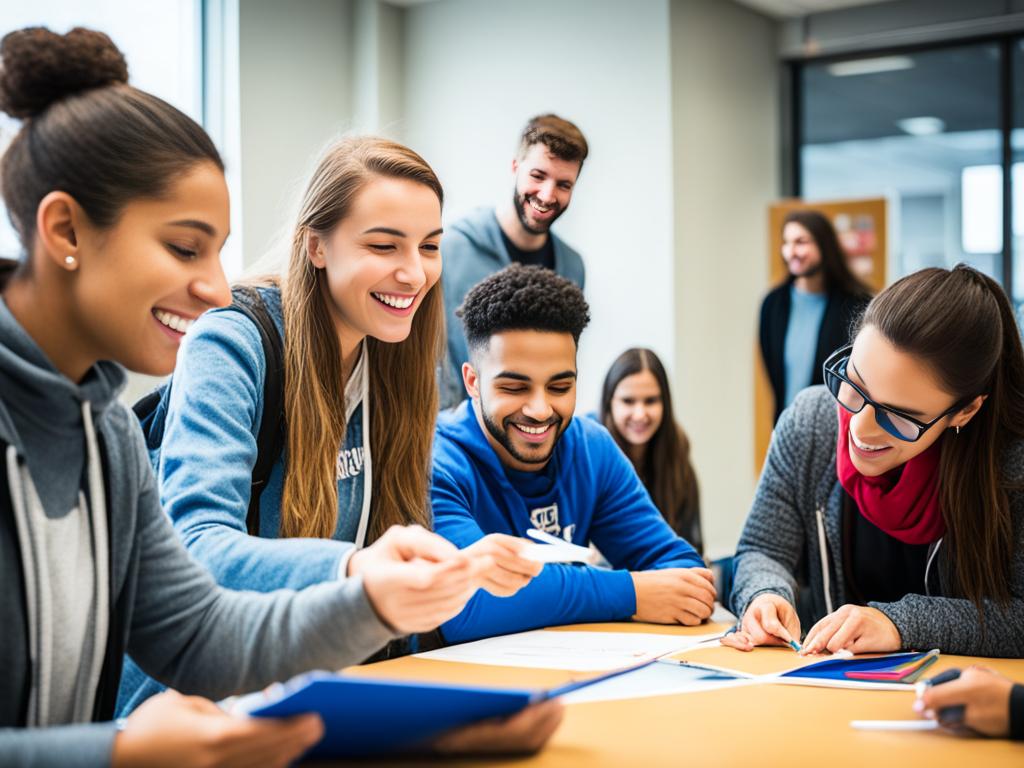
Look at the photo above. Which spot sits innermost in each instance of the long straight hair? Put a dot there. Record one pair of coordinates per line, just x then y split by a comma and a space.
960, 324
666, 470
839, 278
402, 385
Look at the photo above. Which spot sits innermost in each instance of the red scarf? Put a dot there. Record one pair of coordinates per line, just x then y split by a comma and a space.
903, 504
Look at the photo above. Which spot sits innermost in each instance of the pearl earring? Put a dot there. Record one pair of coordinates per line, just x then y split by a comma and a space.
958, 429
69, 260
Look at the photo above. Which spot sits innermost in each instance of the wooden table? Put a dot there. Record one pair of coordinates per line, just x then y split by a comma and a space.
753, 726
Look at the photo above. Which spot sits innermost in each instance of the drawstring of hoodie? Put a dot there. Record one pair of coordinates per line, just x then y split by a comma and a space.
101, 559
31, 575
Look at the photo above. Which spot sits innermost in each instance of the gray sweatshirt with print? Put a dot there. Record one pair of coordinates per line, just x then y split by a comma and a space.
163, 608
791, 544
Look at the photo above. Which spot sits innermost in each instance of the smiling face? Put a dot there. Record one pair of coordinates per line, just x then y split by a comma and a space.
898, 380
637, 408
544, 185
381, 260
142, 282
800, 251
523, 385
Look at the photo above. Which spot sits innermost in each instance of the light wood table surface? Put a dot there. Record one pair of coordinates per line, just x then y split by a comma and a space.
757, 726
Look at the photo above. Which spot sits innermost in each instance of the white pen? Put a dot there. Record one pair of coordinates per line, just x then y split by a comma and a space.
894, 725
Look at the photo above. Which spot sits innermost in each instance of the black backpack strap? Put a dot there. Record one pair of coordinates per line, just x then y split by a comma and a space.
270, 440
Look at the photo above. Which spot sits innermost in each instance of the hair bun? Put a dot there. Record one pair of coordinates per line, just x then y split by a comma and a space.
41, 67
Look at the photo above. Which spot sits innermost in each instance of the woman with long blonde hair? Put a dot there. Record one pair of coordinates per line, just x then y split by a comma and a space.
359, 319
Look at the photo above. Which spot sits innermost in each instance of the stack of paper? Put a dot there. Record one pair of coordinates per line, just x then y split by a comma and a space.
577, 651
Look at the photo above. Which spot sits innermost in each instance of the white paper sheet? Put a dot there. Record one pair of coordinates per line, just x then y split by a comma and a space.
722, 615
655, 680
578, 651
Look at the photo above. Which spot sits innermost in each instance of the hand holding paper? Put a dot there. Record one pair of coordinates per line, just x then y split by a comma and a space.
414, 579
553, 549
509, 567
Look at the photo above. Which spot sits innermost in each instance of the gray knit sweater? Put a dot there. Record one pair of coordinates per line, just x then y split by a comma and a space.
797, 515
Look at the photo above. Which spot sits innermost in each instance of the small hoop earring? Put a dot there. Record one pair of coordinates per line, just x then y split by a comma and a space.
69, 260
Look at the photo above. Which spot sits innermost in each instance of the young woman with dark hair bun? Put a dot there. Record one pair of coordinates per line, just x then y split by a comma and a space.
890, 510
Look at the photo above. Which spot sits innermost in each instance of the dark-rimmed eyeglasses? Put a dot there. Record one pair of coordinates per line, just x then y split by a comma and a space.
853, 399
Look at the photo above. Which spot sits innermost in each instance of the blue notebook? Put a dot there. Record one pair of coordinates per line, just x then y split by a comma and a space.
365, 717
860, 669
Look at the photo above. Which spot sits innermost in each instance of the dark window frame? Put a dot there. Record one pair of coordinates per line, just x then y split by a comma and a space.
793, 138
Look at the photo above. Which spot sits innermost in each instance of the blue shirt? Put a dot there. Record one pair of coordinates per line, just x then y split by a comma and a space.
588, 492
806, 311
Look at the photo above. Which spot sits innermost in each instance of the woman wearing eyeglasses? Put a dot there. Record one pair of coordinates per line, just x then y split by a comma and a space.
890, 510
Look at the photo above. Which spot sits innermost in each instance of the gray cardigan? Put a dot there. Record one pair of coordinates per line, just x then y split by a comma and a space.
795, 526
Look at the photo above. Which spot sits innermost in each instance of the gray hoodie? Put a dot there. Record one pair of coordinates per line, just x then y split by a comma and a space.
791, 544
473, 249
72, 449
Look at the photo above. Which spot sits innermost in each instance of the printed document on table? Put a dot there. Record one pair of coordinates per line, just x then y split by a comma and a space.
578, 651
657, 679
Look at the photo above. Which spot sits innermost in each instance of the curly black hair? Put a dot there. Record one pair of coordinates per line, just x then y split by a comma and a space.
522, 298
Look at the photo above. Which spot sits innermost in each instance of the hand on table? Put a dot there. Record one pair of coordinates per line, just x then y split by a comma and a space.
857, 628
674, 595
416, 580
509, 572
770, 619
191, 732
523, 733
984, 694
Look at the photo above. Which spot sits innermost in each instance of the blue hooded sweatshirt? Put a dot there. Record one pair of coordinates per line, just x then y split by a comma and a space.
473, 249
588, 492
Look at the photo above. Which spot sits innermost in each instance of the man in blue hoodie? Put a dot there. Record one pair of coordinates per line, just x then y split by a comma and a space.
545, 169
513, 458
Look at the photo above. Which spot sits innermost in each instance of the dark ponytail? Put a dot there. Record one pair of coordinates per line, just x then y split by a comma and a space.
961, 325
86, 132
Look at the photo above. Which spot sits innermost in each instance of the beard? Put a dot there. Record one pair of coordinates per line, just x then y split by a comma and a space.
520, 203
812, 271
500, 433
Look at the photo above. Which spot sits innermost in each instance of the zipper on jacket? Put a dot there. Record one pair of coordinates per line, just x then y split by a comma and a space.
823, 553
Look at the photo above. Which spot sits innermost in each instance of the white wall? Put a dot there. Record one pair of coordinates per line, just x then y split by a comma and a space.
725, 113
679, 101
296, 95
476, 71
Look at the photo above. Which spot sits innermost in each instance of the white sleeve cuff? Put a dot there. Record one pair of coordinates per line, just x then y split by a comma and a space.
343, 563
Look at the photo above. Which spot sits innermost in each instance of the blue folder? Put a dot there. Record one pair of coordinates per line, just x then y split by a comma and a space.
836, 669
366, 717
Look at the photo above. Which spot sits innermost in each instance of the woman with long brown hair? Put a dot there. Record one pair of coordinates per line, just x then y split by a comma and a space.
890, 511
636, 408
360, 314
